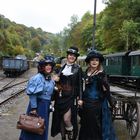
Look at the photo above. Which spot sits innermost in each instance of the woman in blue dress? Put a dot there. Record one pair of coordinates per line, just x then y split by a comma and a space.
40, 89
96, 121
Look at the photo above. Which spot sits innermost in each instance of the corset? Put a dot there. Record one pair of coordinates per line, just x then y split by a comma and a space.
67, 84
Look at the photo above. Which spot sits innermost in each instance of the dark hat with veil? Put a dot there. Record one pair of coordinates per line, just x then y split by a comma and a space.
94, 54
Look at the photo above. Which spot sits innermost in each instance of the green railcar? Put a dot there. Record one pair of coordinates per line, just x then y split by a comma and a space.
123, 67
135, 63
117, 64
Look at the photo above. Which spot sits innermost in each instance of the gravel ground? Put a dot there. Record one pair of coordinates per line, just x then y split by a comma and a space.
8, 122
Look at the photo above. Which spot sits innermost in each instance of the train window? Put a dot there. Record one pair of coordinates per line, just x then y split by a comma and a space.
136, 60
106, 62
132, 60
119, 60
111, 61
139, 60
114, 60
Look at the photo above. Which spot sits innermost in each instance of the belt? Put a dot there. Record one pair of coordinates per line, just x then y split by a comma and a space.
66, 88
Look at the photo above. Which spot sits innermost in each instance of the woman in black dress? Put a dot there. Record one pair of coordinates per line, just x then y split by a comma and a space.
65, 114
96, 122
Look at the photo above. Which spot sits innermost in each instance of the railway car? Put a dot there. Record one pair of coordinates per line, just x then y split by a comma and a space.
123, 67
58, 64
81, 62
135, 63
13, 67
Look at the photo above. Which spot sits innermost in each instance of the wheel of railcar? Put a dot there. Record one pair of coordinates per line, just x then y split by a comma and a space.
132, 121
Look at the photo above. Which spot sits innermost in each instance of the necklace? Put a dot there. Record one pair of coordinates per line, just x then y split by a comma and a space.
90, 73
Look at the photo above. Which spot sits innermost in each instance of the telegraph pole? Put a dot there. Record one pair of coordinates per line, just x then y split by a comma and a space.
94, 25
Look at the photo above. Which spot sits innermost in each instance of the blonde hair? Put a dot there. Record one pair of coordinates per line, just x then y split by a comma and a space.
100, 67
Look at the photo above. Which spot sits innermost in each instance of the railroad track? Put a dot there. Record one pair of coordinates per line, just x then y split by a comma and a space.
10, 92
6, 87
11, 97
2, 78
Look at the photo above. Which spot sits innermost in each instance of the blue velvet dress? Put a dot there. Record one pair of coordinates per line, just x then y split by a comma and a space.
108, 132
39, 91
96, 121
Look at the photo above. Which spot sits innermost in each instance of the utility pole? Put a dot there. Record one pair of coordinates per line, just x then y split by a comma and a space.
94, 25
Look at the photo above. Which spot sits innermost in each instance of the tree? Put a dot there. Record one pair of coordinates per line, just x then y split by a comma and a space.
130, 34
35, 44
18, 50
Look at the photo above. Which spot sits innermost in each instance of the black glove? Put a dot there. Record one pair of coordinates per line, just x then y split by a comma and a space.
33, 111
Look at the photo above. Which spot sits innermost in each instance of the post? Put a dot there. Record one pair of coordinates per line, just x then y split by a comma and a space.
94, 25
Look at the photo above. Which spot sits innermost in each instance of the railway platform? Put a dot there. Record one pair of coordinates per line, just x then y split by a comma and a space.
125, 92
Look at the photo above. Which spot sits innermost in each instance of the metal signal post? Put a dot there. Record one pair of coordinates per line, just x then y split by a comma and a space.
94, 25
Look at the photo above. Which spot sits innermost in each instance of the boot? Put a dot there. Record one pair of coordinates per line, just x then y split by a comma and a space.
63, 138
70, 135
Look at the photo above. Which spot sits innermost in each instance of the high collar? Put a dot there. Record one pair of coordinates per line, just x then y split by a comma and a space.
69, 64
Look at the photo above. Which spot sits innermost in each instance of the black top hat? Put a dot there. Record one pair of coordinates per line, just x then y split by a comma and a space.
94, 54
73, 50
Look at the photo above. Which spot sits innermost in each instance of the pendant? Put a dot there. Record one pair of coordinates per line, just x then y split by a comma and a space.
60, 94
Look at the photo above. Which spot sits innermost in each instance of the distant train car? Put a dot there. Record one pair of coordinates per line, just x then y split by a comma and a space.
14, 66
115, 64
123, 67
134, 56
81, 62
58, 64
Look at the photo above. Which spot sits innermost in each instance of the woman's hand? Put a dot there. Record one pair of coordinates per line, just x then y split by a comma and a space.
80, 102
33, 112
56, 78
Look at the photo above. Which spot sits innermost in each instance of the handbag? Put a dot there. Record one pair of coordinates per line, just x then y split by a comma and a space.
31, 123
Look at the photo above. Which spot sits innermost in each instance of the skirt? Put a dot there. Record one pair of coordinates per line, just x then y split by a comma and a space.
91, 121
43, 111
108, 131
61, 107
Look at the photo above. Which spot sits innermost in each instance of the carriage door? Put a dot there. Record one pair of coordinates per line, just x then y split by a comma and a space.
126, 65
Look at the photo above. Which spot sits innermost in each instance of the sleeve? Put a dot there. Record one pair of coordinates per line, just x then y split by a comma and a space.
33, 101
107, 92
35, 85
80, 83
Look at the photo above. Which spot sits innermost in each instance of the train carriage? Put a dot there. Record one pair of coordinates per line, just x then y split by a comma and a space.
14, 66
135, 63
115, 64
81, 62
123, 67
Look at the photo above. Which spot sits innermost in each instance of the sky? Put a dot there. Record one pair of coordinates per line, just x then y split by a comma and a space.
49, 15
